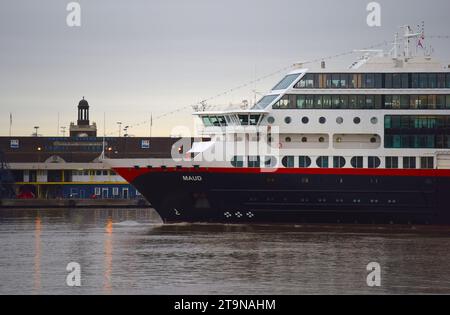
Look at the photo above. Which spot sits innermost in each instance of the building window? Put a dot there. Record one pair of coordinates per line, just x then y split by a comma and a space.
288, 161
357, 162
427, 162
97, 191
115, 191
409, 162
338, 161
322, 161
391, 162
373, 162
304, 161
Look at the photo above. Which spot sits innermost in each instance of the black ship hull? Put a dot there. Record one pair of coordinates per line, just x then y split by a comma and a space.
295, 195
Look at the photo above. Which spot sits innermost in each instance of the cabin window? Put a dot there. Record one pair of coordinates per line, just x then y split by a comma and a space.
409, 162
338, 161
254, 119
304, 161
322, 161
254, 161
373, 162
265, 101
286, 82
288, 161
237, 161
243, 119
206, 121
391, 162
357, 162
426, 162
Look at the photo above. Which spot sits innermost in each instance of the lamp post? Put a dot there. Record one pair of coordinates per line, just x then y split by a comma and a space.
36, 128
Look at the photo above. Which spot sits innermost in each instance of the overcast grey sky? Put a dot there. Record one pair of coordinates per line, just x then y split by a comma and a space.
136, 57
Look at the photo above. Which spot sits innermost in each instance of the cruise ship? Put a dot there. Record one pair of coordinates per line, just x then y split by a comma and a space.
368, 143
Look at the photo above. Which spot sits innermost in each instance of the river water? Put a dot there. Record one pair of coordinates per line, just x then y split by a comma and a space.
131, 252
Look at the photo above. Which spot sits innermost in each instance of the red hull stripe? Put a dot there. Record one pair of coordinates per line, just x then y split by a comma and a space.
130, 174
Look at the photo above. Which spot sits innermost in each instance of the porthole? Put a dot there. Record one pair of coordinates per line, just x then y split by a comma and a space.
374, 120
356, 120
338, 139
288, 139
304, 139
322, 120
373, 140
287, 120
305, 120
321, 139
270, 120
339, 120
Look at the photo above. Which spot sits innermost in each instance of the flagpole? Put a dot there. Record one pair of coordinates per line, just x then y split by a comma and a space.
10, 124
151, 124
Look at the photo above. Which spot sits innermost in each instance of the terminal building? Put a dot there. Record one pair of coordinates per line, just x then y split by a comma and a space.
70, 167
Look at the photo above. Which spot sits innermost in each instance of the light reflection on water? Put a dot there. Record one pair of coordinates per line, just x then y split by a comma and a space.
131, 252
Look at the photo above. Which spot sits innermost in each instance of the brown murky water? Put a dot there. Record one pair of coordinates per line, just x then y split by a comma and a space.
131, 252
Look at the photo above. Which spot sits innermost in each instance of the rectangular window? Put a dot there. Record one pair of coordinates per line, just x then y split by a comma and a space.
396, 101
309, 101
447, 102
426, 162
97, 191
440, 101
431, 101
370, 102
404, 101
405, 80
265, 101
318, 101
388, 80
335, 80
237, 161
447, 81
378, 83
397, 80
301, 99
344, 79
336, 101
115, 191
388, 102
326, 101
409, 162
14, 144
328, 81
145, 144
415, 80
441, 80
352, 101
370, 81
391, 162
423, 80
432, 80
254, 161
